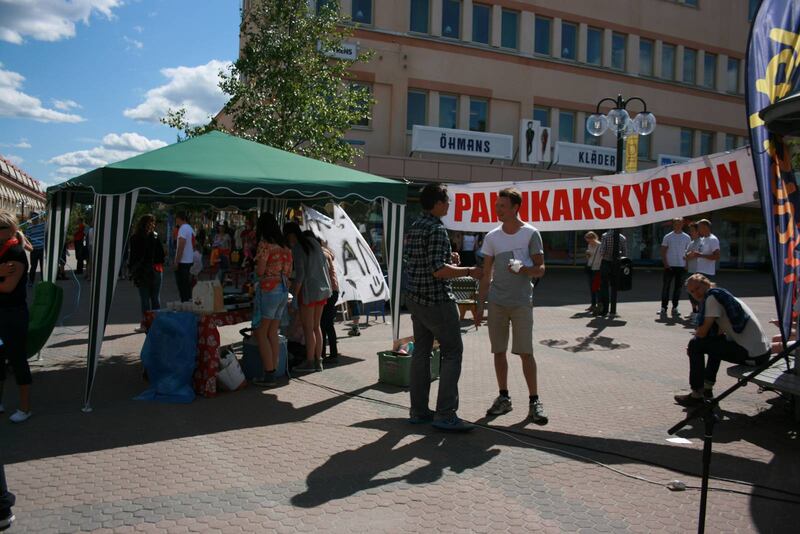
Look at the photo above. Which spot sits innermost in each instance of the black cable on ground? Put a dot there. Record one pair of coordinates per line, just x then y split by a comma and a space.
504, 430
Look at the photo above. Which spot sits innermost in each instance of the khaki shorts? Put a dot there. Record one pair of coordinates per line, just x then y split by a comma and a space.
521, 321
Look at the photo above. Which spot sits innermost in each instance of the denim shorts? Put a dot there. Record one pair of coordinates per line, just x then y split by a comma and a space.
269, 305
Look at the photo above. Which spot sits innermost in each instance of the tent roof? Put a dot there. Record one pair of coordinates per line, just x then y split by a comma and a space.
223, 166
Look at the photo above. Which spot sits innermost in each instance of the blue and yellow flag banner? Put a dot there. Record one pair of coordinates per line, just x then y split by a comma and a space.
773, 73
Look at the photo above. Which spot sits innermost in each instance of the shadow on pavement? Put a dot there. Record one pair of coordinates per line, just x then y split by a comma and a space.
351, 471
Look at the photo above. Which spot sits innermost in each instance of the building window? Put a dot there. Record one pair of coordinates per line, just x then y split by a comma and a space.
589, 139
509, 29
709, 70
362, 11
645, 144
618, 51
752, 7
569, 40
481, 22
646, 57
542, 34
689, 65
733, 75
478, 113
566, 126
323, 4
542, 114
687, 143
448, 111
706, 143
420, 16
668, 61
417, 109
730, 141
367, 90
451, 18
594, 46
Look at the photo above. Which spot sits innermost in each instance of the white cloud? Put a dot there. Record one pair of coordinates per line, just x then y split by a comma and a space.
15, 103
132, 43
48, 20
194, 88
16, 160
65, 105
114, 147
22, 143
138, 29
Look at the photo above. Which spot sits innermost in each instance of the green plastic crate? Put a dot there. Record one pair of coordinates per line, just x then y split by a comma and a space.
395, 369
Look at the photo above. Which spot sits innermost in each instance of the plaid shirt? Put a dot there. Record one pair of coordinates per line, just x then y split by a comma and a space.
606, 249
426, 250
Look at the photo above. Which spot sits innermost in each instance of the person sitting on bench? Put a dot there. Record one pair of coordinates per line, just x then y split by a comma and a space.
728, 330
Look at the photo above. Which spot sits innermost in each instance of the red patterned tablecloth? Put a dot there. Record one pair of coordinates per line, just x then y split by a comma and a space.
208, 342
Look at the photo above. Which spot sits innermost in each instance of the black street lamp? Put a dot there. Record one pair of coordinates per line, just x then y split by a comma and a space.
619, 121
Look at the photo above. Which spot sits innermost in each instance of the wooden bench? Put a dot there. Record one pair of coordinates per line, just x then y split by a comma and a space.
774, 377
465, 290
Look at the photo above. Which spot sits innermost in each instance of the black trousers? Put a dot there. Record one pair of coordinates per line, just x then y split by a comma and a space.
37, 258
14, 333
79, 257
718, 348
184, 280
326, 324
7, 498
676, 275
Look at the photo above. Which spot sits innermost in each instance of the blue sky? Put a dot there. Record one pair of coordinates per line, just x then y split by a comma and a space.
83, 82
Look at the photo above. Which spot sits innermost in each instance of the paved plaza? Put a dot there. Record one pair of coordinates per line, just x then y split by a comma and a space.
332, 452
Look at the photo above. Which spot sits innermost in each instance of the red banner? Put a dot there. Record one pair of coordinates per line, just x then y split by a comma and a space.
616, 201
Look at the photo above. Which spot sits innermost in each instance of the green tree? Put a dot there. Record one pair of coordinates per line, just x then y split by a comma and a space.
285, 89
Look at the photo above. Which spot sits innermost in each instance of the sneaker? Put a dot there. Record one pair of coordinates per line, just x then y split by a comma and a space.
454, 424
421, 419
663, 310
305, 367
266, 380
354, 332
675, 311
536, 413
500, 406
318, 365
5, 522
688, 400
20, 417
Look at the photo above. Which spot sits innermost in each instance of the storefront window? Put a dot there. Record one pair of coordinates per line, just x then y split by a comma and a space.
566, 126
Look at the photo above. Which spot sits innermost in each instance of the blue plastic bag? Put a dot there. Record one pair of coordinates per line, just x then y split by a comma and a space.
169, 355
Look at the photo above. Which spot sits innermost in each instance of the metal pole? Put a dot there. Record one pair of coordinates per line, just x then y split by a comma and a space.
615, 242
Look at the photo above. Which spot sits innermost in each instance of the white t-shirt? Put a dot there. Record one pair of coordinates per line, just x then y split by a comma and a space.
676, 248
693, 246
707, 246
510, 289
752, 338
186, 232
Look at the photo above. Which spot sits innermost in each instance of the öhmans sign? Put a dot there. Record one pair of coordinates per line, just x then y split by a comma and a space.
461, 142
615, 201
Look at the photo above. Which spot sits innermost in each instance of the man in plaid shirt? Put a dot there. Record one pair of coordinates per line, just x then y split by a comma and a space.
429, 264
606, 251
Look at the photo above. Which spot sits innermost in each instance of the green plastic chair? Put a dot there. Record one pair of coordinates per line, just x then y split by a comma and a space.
44, 312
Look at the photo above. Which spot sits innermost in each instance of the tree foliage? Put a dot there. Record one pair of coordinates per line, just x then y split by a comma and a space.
285, 90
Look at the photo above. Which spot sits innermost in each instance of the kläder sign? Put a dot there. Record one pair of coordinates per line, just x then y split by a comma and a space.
461, 142
587, 156
612, 201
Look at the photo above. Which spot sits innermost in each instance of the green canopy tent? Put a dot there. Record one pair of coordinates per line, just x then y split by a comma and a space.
223, 169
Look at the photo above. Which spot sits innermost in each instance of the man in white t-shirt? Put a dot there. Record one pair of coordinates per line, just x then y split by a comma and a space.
728, 330
708, 254
673, 256
184, 257
513, 255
